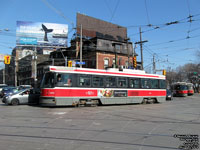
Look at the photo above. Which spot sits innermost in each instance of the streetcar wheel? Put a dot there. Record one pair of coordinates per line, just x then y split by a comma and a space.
144, 101
15, 102
155, 101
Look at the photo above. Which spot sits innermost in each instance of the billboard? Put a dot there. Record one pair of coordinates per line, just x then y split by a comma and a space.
41, 34
92, 27
2, 57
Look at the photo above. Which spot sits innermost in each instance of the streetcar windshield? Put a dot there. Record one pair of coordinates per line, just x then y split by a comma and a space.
181, 87
51, 80
48, 80
190, 87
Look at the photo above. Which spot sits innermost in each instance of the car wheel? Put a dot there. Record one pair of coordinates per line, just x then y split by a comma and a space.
15, 102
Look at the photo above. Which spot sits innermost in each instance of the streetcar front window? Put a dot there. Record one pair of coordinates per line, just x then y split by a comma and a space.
48, 80
154, 84
183, 87
162, 84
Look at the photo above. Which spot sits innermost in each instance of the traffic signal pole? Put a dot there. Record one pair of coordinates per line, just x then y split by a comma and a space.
4, 75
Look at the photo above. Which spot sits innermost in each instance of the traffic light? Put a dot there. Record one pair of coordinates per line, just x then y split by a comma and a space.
134, 62
69, 63
7, 59
164, 72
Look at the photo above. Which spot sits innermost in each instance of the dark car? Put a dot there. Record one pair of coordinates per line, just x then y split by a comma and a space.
7, 91
34, 96
169, 95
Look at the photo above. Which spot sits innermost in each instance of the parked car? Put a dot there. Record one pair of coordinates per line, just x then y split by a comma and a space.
7, 91
169, 95
24, 87
2, 86
20, 97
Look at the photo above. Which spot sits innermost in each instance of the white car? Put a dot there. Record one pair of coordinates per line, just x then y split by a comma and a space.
20, 97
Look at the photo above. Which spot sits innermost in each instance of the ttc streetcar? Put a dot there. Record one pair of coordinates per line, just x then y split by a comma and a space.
67, 86
180, 89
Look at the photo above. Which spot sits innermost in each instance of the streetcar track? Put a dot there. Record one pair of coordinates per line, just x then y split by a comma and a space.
86, 140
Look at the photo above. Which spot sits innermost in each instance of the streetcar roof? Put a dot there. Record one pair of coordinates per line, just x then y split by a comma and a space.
110, 71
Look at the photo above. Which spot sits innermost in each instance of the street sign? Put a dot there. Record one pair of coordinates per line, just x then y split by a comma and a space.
80, 63
195, 73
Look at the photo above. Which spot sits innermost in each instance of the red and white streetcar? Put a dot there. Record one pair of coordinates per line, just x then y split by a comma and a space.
65, 86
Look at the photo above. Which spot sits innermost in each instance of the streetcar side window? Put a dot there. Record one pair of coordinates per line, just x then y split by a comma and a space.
84, 81
122, 82
154, 84
162, 84
145, 83
64, 79
110, 82
97, 81
134, 82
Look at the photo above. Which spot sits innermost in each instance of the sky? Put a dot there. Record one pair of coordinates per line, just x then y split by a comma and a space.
171, 27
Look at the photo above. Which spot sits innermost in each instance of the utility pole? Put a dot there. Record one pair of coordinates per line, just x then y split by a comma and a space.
35, 68
15, 65
81, 47
141, 49
128, 52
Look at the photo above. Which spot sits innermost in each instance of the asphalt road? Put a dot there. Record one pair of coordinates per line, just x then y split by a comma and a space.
116, 127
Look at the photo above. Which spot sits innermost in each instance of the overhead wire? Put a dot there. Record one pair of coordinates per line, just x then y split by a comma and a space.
149, 24
60, 13
159, 26
110, 10
116, 6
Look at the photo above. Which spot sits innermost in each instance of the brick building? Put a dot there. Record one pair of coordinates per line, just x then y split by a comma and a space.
103, 45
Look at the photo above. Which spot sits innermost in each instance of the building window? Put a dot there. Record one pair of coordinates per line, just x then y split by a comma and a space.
106, 63
117, 47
